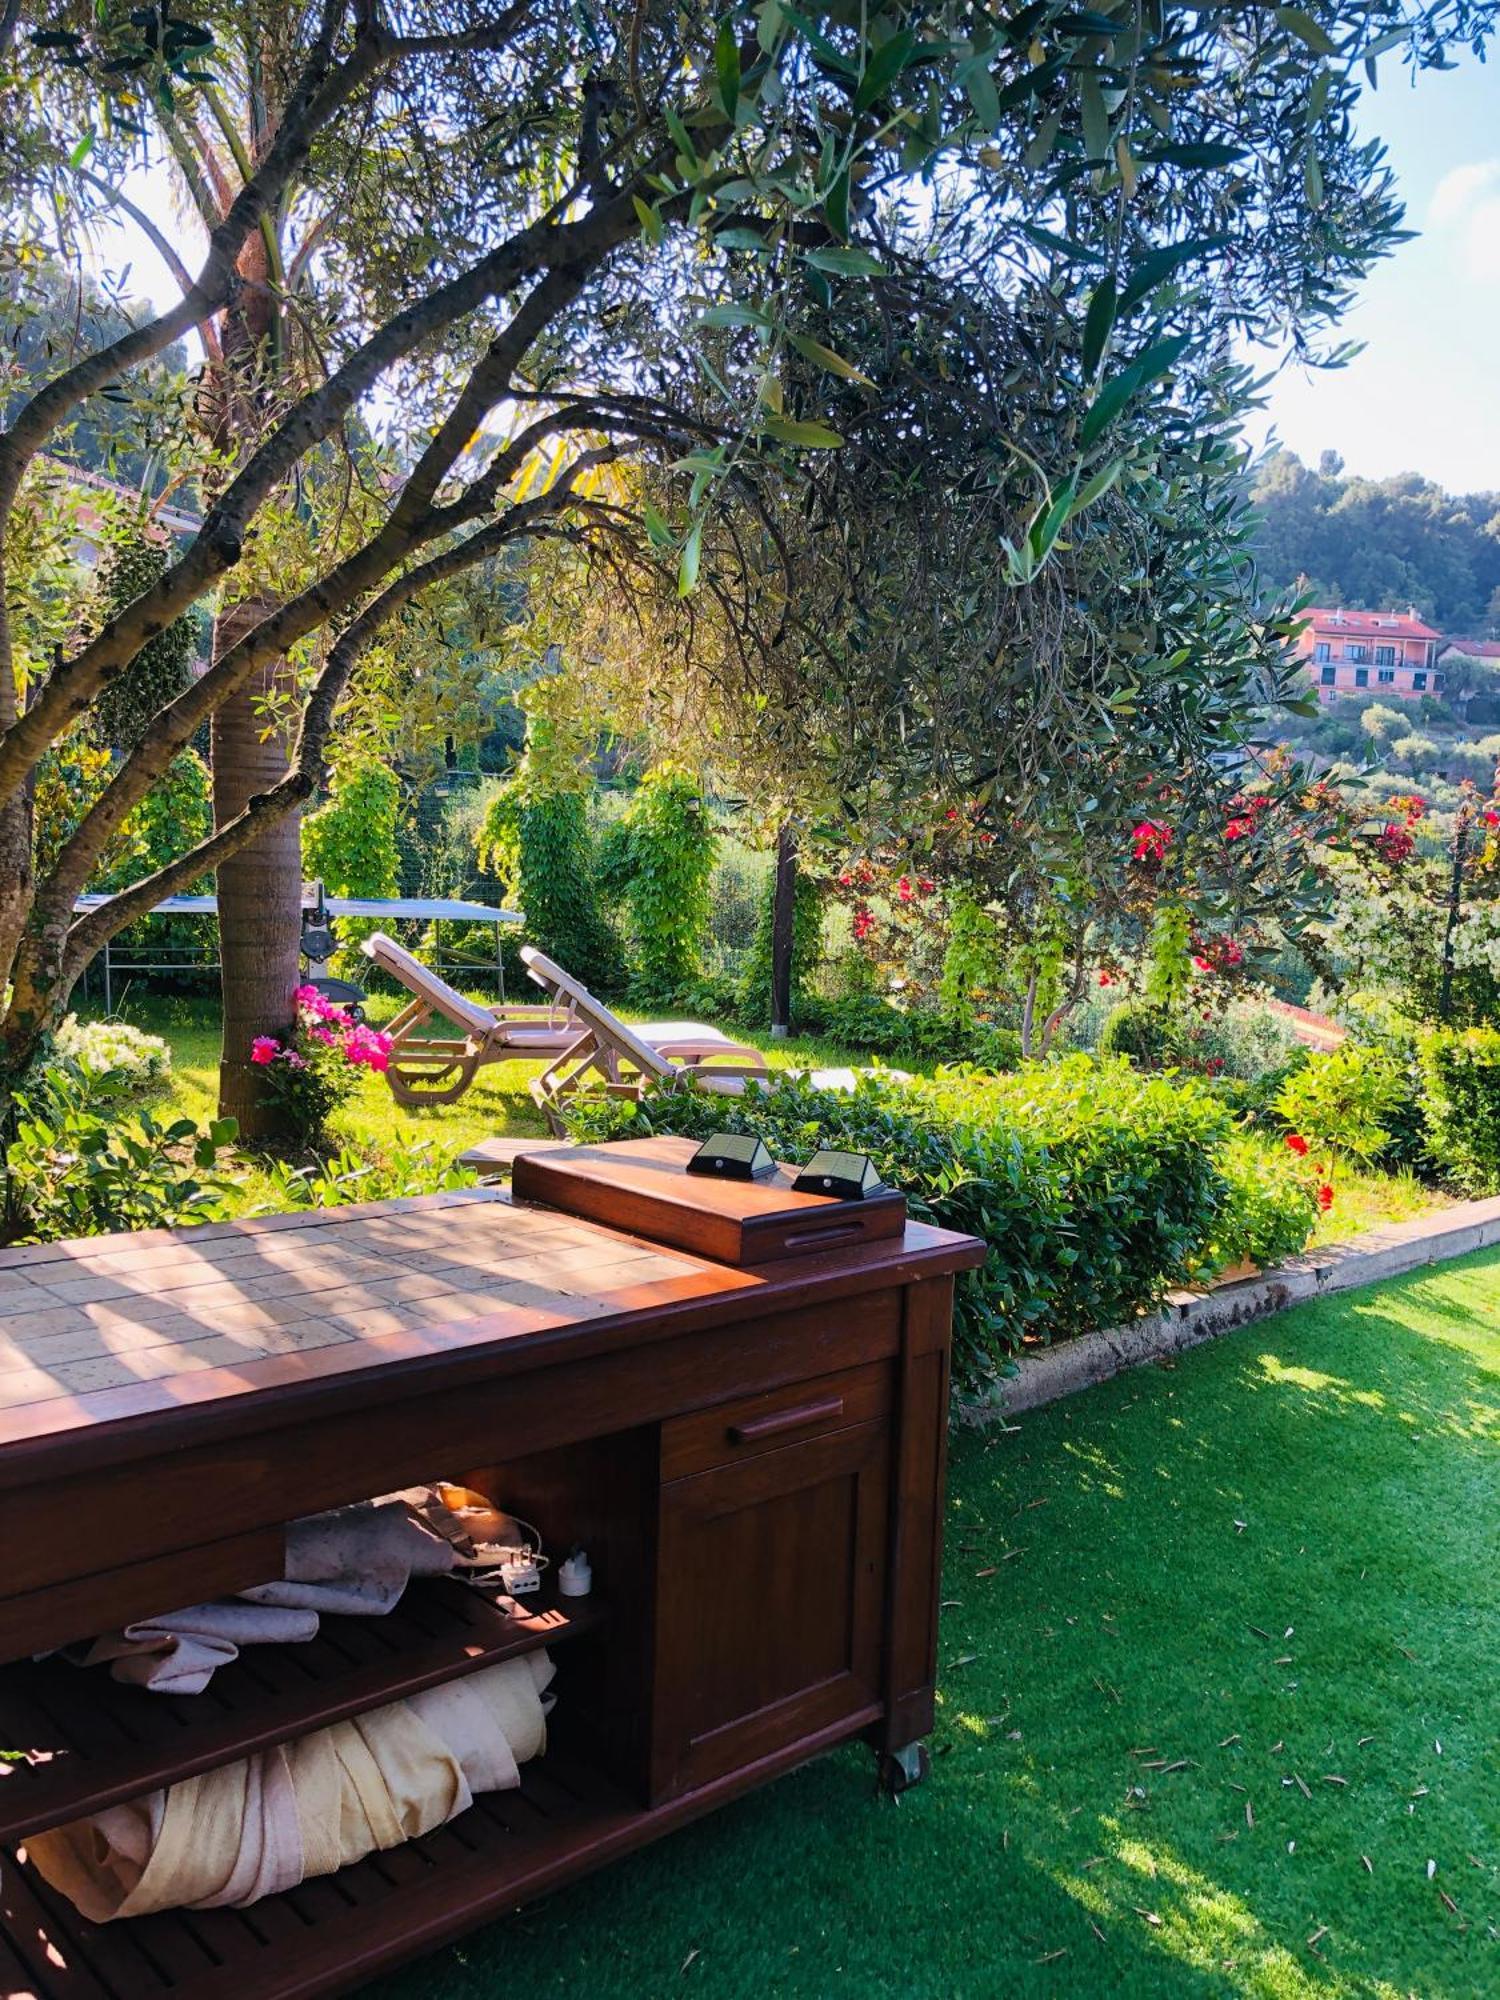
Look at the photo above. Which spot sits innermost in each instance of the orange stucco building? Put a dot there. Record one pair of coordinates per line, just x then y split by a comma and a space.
1390, 653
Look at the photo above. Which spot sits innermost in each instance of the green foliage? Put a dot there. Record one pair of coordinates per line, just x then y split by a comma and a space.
1380, 543
971, 959
1343, 1100
1272, 1205
350, 845
137, 1059
1095, 1188
399, 1169
918, 1035
1461, 1105
754, 994
662, 854
1145, 1031
162, 668
542, 849
79, 1166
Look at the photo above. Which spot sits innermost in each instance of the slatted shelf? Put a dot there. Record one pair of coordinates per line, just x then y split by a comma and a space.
329, 1934
89, 1742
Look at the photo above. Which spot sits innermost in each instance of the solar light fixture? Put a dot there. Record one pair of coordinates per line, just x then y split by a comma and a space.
845, 1176
732, 1156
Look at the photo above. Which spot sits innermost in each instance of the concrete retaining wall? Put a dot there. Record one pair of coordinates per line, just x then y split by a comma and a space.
1188, 1318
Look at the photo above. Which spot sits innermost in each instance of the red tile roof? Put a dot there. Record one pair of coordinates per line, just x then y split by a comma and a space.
1374, 624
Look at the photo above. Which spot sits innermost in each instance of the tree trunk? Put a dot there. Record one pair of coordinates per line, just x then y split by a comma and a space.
783, 930
260, 892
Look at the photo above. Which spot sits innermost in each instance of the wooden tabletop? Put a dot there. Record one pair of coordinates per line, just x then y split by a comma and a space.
99, 1331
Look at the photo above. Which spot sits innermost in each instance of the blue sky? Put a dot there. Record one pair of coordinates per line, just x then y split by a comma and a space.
1424, 396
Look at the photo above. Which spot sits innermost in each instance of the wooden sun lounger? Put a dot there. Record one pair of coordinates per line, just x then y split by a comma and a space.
608, 1055
437, 1068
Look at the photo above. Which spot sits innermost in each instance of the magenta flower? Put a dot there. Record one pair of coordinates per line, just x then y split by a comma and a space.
264, 1049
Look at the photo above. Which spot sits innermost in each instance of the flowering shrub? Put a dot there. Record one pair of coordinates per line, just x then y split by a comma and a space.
136, 1058
311, 1074
1343, 1101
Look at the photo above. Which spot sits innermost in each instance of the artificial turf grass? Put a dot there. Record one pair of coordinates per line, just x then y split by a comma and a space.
1355, 1439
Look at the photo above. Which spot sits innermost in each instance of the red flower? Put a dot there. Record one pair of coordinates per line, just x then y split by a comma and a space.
1150, 840
1295, 1143
1239, 829
1394, 844
1491, 817
904, 889
1105, 979
864, 922
1325, 1195
1203, 964
926, 885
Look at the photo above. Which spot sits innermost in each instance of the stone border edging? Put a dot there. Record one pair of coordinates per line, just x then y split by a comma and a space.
1189, 1318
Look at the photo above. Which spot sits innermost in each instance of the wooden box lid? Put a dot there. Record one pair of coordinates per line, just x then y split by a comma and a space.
642, 1186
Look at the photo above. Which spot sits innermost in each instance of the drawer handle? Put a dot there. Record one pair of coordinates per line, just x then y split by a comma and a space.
786, 1420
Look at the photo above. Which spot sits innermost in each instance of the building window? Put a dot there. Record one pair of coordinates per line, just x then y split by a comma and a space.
1385, 656
1358, 652
1321, 651
1330, 674
1418, 681
1361, 677
1386, 676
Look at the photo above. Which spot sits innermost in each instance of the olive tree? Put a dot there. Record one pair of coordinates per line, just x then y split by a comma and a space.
515, 236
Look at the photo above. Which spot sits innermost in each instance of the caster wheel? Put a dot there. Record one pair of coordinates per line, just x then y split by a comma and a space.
903, 1768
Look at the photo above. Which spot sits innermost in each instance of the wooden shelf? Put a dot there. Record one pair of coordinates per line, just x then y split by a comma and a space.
91, 1742
333, 1934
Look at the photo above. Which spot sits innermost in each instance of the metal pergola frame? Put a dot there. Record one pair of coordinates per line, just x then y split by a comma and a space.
395, 909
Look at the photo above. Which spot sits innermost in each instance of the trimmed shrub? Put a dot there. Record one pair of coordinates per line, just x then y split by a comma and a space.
1143, 1031
1343, 1100
1096, 1189
1271, 1209
1461, 1105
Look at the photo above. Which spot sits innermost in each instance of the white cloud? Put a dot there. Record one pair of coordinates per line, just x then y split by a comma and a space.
1466, 205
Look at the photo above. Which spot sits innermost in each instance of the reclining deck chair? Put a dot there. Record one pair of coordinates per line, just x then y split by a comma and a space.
428, 1068
607, 1054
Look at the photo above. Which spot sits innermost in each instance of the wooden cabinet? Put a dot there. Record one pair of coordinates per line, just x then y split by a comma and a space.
771, 1592
753, 1454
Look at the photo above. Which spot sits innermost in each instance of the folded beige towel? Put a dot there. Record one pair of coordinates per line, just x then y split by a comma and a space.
306, 1808
355, 1561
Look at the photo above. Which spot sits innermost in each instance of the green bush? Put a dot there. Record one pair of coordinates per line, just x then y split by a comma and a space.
1461, 1105
1373, 1022
1097, 1189
1271, 1209
919, 1035
78, 1166
349, 845
1342, 1100
660, 856
1143, 1031
397, 1170
541, 848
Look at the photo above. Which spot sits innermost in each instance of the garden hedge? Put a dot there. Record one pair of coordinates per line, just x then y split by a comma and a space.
1097, 1189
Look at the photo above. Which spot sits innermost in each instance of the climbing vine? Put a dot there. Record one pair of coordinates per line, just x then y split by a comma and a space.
537, 839
807, 948
661, 856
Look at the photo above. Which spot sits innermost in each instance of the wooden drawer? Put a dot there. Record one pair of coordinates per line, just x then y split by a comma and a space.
730, 1432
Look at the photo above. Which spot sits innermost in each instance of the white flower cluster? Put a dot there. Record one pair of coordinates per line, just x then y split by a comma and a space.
115, 1045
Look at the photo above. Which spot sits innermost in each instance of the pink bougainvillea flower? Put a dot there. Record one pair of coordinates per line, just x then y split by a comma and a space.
307, 996
1295, 1143
1203, 964
292, 1060
1491, 817
264, 1049
1394, 843
1325, 1195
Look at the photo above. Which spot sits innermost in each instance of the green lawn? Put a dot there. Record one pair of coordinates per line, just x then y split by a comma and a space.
1172, 1605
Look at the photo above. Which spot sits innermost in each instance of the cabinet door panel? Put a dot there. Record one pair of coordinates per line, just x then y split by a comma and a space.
770, 1599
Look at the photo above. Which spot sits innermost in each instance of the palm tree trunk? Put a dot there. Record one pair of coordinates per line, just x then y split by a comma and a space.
260, 891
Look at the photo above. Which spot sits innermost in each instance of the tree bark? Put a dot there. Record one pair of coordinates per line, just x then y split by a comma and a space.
783, 930
260, 890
